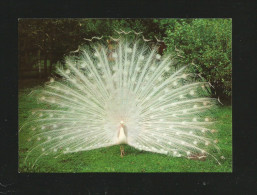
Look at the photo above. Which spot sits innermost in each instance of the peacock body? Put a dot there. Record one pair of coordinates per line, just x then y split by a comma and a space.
128, 94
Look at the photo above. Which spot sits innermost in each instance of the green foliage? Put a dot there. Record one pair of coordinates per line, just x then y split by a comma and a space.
208, 44
109, 160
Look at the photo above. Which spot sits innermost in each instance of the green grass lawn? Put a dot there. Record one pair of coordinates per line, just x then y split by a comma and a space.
109, 160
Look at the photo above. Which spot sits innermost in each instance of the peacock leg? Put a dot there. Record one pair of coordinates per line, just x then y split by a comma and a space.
122, 153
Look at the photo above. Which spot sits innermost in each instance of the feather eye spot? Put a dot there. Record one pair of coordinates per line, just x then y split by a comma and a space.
129, 50
115, 55
192, 92
167, 69
184, 76
158, 56
67, 71
152, 69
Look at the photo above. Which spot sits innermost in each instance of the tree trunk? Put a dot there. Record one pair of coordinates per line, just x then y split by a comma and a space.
51, 64
45, 65
26, 59
39, 64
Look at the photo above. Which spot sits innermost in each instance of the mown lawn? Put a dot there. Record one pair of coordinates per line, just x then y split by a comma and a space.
109, 160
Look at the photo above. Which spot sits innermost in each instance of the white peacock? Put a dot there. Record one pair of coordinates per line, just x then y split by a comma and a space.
129, 95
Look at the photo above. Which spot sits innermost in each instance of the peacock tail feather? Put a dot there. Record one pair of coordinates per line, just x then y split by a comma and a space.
165, 108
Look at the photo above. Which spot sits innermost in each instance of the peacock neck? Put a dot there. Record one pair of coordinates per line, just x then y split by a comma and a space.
122, 139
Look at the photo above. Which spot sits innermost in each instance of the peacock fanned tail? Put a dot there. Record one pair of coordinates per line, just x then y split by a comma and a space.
165, 108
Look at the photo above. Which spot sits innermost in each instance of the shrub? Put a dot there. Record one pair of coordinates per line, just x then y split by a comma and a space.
208, 44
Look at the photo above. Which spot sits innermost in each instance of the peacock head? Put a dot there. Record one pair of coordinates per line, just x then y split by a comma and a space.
122, 124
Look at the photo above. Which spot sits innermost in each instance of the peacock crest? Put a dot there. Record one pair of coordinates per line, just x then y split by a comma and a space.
159, 105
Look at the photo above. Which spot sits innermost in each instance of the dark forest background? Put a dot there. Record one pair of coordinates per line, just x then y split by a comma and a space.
207, 43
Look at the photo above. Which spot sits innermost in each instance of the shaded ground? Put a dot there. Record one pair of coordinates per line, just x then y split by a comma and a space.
109, 160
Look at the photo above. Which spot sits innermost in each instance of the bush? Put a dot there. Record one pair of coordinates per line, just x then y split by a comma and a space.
208, 44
